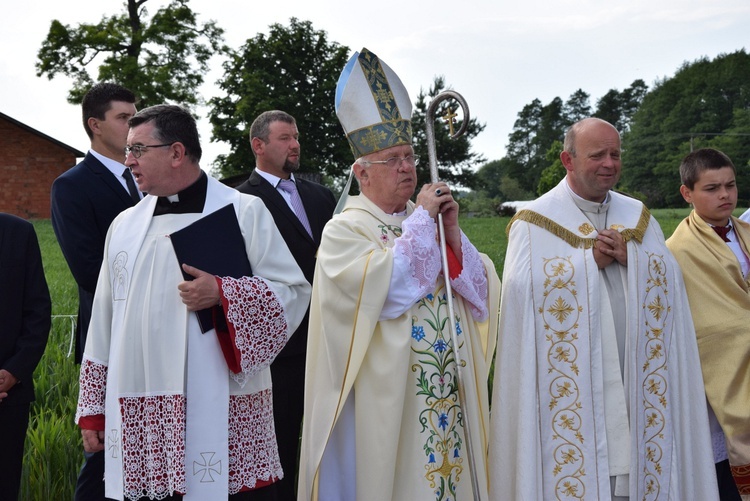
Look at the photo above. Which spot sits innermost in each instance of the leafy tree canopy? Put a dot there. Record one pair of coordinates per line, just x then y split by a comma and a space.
493, 180
294, 69
618, 107
706, 103
554, 172
534, 132
161, 59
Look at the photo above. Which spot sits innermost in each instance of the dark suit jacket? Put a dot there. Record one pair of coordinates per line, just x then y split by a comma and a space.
319, 204
85, 200
24, 306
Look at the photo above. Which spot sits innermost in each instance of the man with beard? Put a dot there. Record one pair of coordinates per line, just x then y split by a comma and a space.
275, 143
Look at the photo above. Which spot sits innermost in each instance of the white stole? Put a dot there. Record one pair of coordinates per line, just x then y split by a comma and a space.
207, 395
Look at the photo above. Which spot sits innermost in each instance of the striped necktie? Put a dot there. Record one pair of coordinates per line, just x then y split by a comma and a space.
291, 188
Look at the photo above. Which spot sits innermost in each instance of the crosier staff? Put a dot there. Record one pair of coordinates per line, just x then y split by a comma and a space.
430, 120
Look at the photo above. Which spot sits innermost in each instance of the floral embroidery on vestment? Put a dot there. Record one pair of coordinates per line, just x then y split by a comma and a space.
560, 312
441, 419
654, 390
385, 229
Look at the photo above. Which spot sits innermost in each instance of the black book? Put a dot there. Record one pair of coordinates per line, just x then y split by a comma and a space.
215, 245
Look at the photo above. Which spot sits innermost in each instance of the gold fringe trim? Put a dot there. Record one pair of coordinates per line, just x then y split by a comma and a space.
571, 238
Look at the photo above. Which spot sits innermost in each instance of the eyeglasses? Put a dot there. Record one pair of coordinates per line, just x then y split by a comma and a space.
138, 149
394, 162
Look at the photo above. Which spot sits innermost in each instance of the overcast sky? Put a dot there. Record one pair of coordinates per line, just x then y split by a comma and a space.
500, 55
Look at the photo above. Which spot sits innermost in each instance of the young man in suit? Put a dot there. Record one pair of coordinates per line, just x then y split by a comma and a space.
275, 143
85, 200
25, 309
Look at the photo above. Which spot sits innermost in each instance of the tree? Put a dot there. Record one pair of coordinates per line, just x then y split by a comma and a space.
618, 107
703, 102
608, 107
577, 107
554, 173
161, 60
735, 142
630, 100
454, 156
535, 131
294, 69
488, 177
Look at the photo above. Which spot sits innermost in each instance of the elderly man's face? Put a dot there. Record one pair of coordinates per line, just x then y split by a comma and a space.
596, 167
388, 187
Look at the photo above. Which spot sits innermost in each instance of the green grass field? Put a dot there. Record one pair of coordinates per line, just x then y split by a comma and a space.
53, 446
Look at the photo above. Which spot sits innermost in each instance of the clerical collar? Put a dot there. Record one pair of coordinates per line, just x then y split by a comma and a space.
187, 201
588, 205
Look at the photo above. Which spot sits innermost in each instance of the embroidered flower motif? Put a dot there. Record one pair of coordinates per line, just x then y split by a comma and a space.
417, 332
440, 346
384, 229
560, 309
443, 420
440, 419
570, 489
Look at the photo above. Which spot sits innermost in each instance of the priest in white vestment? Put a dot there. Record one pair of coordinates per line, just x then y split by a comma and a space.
180, 413
382, 417
597, 388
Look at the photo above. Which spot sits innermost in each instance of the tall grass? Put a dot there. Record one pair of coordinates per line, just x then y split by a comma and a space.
54, 451
53, 444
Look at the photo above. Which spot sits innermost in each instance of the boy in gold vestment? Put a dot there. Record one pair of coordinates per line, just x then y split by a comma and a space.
711, 247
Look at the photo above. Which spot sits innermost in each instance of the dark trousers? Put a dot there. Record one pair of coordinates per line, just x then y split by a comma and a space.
90, 483
727, 488
14, 421
288, 376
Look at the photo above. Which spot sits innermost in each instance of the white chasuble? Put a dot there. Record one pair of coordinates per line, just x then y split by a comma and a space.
388, 387
549, 434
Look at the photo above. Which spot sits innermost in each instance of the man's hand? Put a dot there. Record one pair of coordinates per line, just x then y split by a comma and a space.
436, 197
610, 246
93, 440
7, 381
200, 293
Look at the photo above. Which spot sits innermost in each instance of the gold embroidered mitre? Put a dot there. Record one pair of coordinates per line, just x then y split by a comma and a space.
372, 105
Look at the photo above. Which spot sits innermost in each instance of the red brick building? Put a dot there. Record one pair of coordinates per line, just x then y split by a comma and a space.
30, 161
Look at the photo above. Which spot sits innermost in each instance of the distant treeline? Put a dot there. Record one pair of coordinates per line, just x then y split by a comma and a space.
705, 104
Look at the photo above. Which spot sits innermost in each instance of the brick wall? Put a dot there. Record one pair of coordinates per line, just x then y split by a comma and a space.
29, 163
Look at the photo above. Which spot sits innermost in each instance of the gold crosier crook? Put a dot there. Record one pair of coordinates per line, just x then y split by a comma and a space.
430, 119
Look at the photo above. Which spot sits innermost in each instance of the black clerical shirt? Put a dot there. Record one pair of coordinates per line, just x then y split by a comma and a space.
191, 199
